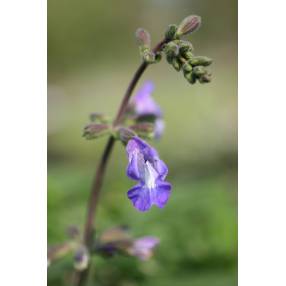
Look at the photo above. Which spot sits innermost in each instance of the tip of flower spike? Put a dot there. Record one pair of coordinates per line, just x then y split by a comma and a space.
189, 25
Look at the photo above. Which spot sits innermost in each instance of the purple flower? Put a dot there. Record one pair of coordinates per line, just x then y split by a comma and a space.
118, 240
144, 104
143, 247
150, 171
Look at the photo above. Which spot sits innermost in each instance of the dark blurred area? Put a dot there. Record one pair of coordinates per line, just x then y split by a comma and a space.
92, 55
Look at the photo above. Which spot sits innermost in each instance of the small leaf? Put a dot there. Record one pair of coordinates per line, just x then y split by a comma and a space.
171, 32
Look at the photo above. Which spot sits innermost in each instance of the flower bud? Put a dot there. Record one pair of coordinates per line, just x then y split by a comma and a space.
189, 25
200, 61
143, 38
205, 78
125, 134
187, 68
158, 57
188, 55
81, 259
95, 130
176, 64
190, 77
169, 59
199, 71
171, 32
171, 49
185, 46
143, 129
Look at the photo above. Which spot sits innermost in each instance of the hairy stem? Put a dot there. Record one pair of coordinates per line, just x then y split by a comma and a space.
81, 277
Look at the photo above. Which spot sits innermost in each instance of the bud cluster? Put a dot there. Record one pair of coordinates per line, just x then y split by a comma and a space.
179, 53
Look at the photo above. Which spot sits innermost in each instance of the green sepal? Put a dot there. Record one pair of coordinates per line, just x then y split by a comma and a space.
96, 130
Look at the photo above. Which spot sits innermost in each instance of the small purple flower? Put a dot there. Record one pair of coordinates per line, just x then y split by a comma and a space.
143, 247
118, 240
144, 104
150, 171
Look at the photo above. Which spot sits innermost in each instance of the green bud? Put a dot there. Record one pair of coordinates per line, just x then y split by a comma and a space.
143, 38
191, 77
200, 61
176, 64
205, 78
171, 32
95, 130
171, 49
169, 59
158, 57
199, 71
184, 47
187, 68
189, 25
188, 55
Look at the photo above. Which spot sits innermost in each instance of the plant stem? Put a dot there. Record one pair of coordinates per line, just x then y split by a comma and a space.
81, 277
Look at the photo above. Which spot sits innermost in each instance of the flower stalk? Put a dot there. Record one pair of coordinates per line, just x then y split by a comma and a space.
81, 276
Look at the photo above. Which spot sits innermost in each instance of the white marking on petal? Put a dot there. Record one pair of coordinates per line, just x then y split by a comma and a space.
150, 176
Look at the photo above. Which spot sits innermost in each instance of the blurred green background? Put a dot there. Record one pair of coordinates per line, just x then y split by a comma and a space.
92, 55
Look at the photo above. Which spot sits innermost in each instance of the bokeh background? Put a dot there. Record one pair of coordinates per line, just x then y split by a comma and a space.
92, 55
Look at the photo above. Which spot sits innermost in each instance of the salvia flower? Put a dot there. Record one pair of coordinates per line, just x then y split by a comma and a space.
144, 105
118, 240
143, 247
150, 171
